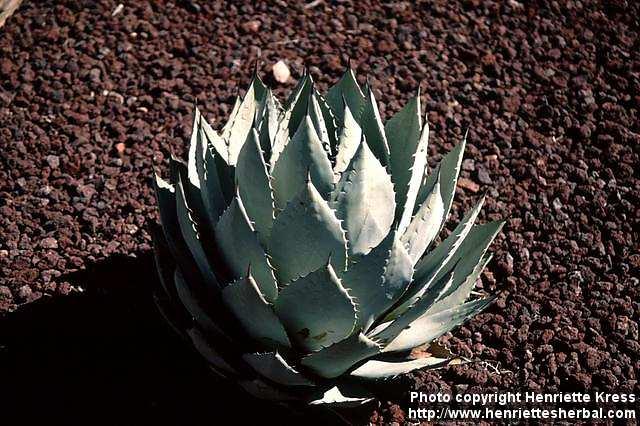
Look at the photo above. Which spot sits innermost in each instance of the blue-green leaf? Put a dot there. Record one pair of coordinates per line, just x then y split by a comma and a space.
255, 314
418, 309
364, 200
191, 182
166, 198
213, 140
436, 262
341, 397
211, 191
461, 288
472, 250
195, 309
429, 327
447, 171
425, 225
336, 359
240, 248
304, 155
244, 119
374, 129
208, 352
191, 235
408, 157
314, 111
316, 310
375, 369
304, 235
378, 279
348, 142
349, 90
329, 120
275, 368
226, 130
254, 186
298, 105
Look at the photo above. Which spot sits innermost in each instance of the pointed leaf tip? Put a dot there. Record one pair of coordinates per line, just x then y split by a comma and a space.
304, 153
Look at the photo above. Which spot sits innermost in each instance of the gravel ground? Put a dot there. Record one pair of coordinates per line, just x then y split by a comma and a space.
90, 102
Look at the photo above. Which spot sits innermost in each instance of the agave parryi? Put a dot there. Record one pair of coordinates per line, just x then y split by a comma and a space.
300, 242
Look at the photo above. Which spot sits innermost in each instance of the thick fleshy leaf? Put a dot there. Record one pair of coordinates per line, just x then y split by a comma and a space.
429, 327
378, 279
280, 140
414, 312
269, 125
447, 171
299, 106
240, 248
336, 397
425, 225
317, 118
348, 142
275, 110
364, 200
461, 288
191, 182
304, 235
436, 261
226, 178
336, 359
349, 90
295, 93
195, 151
373, 129
272, 366
227, 126
330, 121
261, 104
255, 314
304, 155
243, 120
209, 353
195, 309
316, 310
211, 190
254, 186
375, 369
407, 159
418, 164
445, 250
191, 235
177, 167
282, 136
266, 139
166, 198
213, 139
258, 86
472, 249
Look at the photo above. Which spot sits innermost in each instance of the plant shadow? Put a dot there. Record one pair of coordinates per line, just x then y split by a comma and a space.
105, 356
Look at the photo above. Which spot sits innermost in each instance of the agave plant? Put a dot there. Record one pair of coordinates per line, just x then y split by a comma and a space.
298, 244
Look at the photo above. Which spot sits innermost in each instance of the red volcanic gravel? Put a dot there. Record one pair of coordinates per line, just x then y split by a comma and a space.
549, 90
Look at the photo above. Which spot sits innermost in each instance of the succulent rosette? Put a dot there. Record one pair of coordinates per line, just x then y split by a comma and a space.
297, 251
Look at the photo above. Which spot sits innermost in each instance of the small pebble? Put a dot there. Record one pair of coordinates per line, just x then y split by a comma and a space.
281, 72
